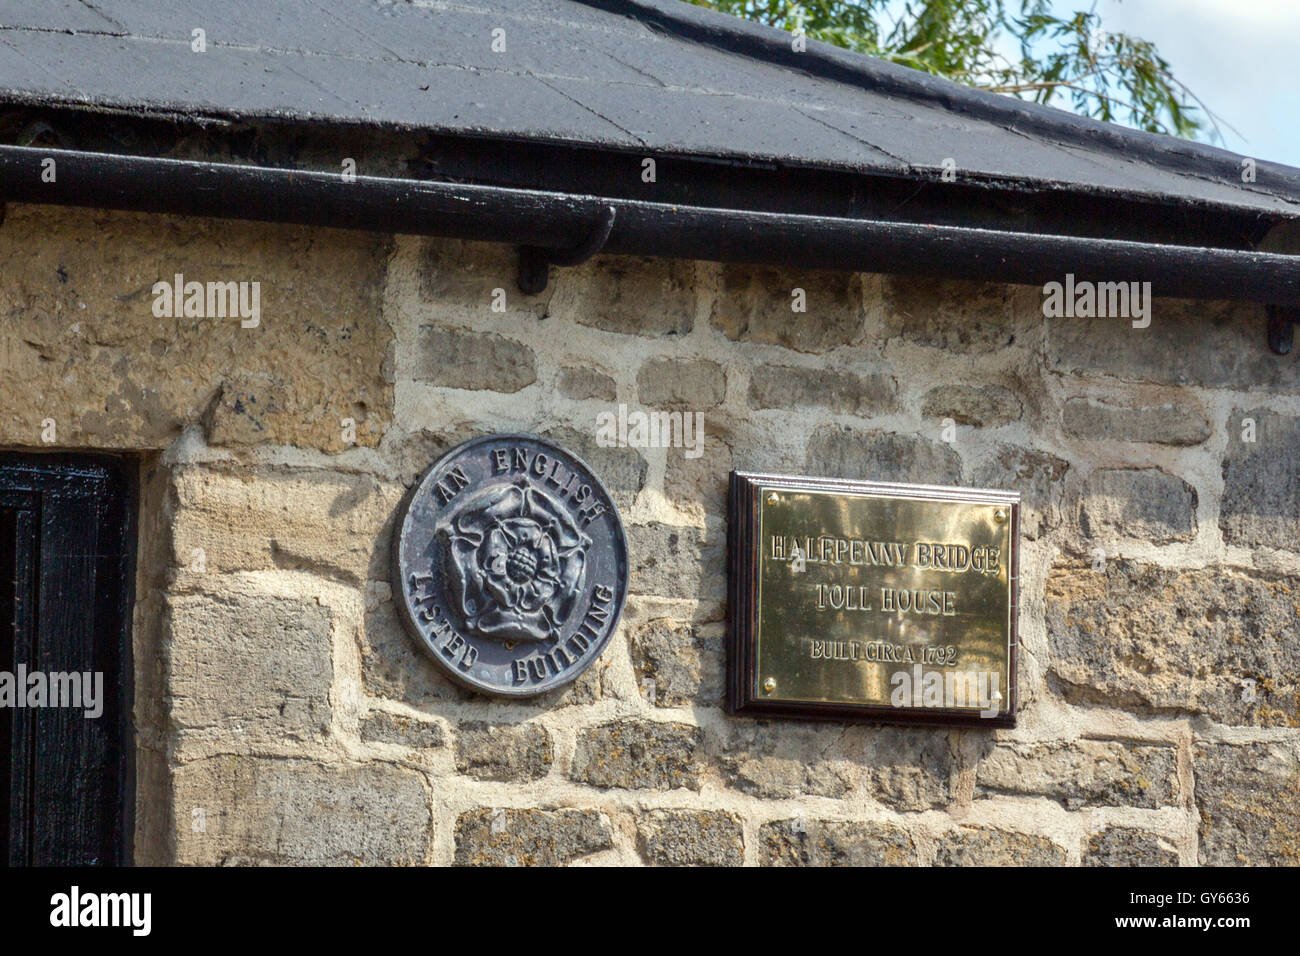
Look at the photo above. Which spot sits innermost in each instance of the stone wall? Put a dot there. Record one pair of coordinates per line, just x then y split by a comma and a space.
285, 716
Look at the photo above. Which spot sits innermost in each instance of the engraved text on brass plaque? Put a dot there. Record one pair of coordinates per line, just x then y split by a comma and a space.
885, 602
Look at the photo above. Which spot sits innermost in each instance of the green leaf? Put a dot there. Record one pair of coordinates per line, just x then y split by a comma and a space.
1068, 61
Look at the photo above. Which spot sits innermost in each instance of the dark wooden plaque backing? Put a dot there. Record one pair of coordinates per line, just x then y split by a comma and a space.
743, 514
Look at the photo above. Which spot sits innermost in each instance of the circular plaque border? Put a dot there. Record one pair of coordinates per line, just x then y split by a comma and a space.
407, 613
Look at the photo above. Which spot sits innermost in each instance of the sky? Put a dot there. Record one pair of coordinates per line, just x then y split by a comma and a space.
1241, 57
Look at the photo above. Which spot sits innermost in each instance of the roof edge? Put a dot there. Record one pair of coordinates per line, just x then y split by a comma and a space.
768, 44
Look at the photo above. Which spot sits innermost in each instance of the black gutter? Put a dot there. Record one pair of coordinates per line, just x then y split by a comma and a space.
917, 196
566, 224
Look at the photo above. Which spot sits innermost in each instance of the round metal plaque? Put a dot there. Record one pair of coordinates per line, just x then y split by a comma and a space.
510, 565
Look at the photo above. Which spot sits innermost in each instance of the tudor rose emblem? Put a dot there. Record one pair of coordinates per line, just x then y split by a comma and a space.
510, 565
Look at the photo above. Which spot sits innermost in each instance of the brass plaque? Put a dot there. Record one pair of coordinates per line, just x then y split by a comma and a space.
873, 601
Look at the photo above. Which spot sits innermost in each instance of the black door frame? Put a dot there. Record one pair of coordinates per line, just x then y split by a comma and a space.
68, 542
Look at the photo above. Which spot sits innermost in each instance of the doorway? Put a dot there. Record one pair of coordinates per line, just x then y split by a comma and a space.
67, 544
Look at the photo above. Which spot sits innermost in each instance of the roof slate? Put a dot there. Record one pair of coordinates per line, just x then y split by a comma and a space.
652, 76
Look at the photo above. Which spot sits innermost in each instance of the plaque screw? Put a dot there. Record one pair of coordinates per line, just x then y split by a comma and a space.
769, 685
772, 498
1000, 515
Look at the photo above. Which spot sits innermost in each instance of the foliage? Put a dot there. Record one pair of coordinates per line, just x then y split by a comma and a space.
1019, 47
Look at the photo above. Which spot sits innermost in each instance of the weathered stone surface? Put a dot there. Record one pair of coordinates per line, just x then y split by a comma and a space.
248, 668
1085, 773
296, 812
381, 727
901, 767
755, 304
1128, 846
485, 361
244, 663
678, 663
583, 383
637, 296
1169, 423
956, 315
1249, 799
1221, 357
639, 754
394, 667
792, 386
695, 383
691, 838
1218, 641
593, 684
503, 751
237, 415
675, 561
985, 846
456, 275
781, 760
980, 406
506, 837
698, 484
1038, 477
798, 842
1143, 503
906, 768
83, 347
333, 524
412, 452
1260, 506
838, 452
621, 470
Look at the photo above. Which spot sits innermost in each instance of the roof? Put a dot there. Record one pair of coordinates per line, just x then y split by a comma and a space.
654, 77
